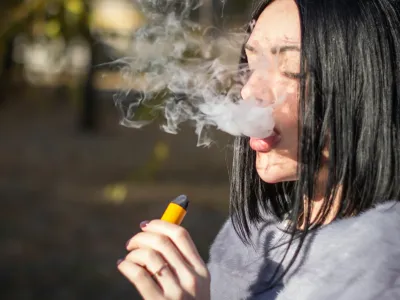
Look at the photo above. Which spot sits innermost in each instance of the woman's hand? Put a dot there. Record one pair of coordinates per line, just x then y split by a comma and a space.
164, 263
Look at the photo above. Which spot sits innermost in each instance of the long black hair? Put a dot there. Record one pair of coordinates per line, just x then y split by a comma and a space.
349, 104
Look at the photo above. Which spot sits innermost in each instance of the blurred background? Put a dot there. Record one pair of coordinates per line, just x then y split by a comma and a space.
74, 184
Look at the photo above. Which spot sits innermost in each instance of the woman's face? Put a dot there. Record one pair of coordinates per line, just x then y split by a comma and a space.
273, 52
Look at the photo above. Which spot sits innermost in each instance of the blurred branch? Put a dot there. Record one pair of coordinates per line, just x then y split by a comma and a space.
19, 14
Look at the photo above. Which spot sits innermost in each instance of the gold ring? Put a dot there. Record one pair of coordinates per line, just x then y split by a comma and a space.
164, 266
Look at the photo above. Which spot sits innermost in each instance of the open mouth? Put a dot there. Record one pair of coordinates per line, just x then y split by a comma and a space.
265, 144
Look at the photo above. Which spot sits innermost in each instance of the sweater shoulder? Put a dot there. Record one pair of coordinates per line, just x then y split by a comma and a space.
354, 258
229, 251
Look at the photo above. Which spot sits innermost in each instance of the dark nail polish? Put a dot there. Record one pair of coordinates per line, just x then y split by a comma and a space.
119, 261
143, 224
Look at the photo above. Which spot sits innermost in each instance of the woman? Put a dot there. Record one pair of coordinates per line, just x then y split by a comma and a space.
314, 208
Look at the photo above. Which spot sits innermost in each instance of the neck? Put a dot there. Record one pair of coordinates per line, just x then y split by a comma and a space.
318, 201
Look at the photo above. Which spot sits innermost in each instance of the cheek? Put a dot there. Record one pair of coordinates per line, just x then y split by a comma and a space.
286, 91
286, 115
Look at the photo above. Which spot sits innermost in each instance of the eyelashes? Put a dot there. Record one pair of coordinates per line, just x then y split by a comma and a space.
246, 72
290, 75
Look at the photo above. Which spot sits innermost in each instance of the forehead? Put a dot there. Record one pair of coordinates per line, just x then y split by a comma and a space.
278, 23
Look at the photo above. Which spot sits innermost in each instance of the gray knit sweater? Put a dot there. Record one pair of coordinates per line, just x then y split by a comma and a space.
355, 258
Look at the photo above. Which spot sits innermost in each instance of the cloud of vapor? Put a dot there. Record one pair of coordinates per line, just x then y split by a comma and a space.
184, 74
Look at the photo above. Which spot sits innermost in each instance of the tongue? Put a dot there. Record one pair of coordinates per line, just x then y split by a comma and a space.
264, 145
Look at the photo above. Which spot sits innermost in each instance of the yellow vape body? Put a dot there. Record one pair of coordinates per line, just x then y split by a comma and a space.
176, 210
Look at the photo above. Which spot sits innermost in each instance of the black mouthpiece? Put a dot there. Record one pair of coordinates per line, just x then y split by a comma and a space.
182, 201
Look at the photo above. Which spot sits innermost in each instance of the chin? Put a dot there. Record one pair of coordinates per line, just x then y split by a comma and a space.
272, 178
275, 173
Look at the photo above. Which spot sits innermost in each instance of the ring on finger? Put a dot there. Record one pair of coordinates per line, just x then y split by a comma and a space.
160, 270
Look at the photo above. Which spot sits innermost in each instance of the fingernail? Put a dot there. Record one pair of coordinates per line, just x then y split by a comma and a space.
143, 224
127, 243
119, 261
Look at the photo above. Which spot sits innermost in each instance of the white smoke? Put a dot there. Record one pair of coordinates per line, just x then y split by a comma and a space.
186, 75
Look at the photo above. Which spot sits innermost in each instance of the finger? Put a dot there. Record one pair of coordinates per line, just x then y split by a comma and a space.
181, 238
142, 280
155, 264
166, 248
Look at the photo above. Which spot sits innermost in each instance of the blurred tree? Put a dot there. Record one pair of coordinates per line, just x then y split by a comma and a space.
60, 47
69, 20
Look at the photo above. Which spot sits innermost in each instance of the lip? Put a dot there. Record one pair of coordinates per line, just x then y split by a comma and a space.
266, 144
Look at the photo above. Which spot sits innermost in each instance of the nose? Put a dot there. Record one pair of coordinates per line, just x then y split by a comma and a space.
259, 88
